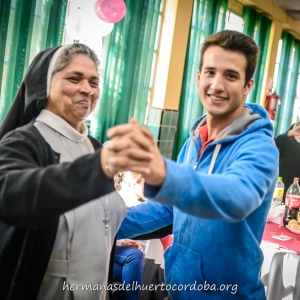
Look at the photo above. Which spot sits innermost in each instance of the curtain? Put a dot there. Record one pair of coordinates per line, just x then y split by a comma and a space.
258, 27
127, 67
4, 18
27, 27
287, 81
208, 17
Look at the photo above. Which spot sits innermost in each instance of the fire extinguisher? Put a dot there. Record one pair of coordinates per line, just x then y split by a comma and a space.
271, 104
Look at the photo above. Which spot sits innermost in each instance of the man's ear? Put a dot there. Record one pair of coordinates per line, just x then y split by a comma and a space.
248, 86
198, 78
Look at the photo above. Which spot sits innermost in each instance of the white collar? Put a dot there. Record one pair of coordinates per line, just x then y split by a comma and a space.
60, 125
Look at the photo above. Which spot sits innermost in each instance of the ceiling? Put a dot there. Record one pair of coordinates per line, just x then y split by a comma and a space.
292, 8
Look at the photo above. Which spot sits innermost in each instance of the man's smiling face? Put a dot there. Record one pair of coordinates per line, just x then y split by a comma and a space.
221, 83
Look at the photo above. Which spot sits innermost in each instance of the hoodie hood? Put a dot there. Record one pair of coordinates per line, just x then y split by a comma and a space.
32, 89
242, 124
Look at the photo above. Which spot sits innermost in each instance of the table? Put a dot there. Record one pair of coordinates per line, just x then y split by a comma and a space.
280, 271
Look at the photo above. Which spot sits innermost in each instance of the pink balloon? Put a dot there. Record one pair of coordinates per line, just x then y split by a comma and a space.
110, 11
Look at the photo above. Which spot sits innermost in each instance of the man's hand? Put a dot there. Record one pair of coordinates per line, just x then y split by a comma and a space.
133, 148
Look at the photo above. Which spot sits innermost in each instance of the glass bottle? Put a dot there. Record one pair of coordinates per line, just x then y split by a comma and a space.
278, 192
292, 202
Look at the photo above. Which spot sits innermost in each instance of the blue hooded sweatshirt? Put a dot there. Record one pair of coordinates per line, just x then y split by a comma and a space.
218, 203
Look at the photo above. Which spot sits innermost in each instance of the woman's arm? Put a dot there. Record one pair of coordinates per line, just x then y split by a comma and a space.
35, 188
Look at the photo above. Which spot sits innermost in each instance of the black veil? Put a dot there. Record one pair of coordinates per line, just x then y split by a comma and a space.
32, 89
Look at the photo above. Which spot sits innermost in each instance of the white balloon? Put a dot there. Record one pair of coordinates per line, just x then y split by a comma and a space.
73, 27
74, 20
95, 26
102, 28
83, 24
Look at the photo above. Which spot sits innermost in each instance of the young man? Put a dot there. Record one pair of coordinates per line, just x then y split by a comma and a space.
218, 194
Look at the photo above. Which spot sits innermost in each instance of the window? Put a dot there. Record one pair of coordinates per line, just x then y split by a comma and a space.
25, 38
234, 22
154, 61
277, 63
296, 110
89, 35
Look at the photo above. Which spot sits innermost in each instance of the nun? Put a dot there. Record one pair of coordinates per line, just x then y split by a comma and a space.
59, 211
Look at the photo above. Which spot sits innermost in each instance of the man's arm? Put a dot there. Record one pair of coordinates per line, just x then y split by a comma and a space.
145, 218
230, 195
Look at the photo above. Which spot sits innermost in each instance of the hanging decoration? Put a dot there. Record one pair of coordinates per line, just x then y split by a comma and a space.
83, 24
94, 25
111, 11
74, 22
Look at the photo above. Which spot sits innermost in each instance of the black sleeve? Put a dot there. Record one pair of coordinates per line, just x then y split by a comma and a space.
158, 234
32, 192
96, 144
280, 142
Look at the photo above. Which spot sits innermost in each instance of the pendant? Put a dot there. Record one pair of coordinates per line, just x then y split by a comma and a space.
106, 221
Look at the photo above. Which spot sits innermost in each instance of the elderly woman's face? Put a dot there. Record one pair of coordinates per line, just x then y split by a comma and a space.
74, 91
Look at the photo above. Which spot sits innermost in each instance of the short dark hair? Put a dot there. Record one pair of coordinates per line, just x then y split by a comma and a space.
234, 41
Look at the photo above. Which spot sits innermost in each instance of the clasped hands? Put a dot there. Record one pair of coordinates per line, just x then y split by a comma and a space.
132, 147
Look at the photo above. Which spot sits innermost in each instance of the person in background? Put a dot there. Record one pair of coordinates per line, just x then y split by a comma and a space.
130, 186
129, 265
288, 145
59, 211
129, 257
128, 268
219, 193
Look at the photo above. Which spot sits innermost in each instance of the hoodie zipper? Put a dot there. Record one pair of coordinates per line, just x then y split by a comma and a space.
189, 153
198, 161
192, 143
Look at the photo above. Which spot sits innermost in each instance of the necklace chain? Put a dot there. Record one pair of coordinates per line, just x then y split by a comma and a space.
106, 219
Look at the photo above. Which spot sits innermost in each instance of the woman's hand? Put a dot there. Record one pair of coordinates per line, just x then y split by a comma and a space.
132, 243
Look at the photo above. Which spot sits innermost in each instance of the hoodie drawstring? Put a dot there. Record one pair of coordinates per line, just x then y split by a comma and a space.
213, 160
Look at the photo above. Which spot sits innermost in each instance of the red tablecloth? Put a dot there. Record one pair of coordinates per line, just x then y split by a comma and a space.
274, 229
